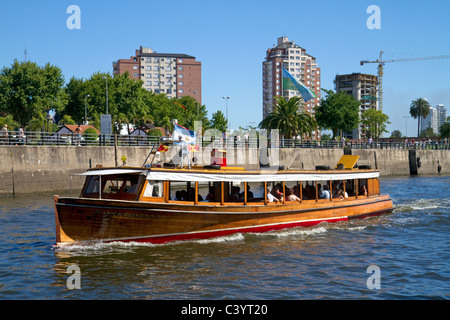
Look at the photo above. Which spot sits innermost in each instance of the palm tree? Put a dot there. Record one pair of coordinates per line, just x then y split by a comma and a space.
420, 108
288, 118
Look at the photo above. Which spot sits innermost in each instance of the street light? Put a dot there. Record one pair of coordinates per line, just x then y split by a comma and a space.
198, 107
106, 93
85, 109
226, 102
406, 117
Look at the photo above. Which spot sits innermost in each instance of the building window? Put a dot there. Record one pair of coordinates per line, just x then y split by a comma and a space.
180, 76
180, 83
180, 68
135, 67
181, 91
135, 75
180, 60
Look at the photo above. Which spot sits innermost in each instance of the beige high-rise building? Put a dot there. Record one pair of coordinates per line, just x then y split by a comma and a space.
301, 65
173, 74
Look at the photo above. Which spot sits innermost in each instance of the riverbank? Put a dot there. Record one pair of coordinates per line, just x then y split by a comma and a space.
27, 169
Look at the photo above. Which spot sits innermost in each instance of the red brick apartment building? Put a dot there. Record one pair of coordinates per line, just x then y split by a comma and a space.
173, 74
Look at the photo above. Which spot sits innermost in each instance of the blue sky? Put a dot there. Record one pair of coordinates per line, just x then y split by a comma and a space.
231, 37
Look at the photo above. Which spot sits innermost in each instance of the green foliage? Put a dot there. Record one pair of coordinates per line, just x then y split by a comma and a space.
420, 108
154, 132
218, 121
9, 121
444, 130
338, 111
27, 90
67, 120
427, 133
288, 118
396, 134
375, 122
90, 135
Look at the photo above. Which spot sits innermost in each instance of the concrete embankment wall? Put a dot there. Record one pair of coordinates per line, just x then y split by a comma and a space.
25, 169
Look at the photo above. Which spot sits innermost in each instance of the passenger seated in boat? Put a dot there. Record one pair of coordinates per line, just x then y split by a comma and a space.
342, 195
184, 195
363, 191
291, 196
325, 193
235, 194
250, 196
210, 196
178, 196
277, 193
191, 195
271, 197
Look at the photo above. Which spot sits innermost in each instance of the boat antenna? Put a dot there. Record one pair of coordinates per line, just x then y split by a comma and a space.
156, 143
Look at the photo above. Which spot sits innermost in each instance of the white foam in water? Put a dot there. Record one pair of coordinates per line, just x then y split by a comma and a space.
295, 232
420, 204
233, 237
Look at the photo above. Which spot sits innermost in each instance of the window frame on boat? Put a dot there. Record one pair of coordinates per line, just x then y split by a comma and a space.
222, 191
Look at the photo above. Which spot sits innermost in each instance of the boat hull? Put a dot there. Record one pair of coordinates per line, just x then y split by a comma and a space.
80, 220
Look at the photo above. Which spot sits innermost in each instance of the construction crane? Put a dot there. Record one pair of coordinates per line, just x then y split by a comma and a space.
381, 63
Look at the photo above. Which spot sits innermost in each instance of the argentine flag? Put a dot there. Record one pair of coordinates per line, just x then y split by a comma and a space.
290, 83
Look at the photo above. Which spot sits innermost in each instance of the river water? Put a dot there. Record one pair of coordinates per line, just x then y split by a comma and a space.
403, 255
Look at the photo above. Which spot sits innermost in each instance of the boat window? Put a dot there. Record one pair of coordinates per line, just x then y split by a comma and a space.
338, 190
362, 185
292, 191
92, 186
323, 190
154, 189
234, 191
113, 187
183, 191
255, 191
308, 190
131, 185
350, 187
209, 191
275, 192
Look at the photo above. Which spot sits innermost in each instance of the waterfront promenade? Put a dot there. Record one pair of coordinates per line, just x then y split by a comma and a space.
43, 167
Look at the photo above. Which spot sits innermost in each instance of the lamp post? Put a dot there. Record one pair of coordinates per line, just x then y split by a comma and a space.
406, 117
226, 102
198, 107
106, 94
85, 109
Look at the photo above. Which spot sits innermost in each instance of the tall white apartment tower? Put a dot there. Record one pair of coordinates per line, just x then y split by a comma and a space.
300, 64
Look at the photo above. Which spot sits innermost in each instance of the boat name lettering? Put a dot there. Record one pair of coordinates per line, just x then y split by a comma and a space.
131, 215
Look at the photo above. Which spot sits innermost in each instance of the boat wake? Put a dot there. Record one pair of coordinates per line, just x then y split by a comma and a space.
422, 204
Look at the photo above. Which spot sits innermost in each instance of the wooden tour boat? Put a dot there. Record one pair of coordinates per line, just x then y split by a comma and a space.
160, 204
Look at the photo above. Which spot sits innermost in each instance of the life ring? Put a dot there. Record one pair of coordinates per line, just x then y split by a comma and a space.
212, 166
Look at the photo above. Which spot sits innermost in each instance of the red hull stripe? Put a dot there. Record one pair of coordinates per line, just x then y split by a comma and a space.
225, 232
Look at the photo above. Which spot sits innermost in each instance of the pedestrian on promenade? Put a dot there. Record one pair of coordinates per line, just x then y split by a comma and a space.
4, 135
78, 135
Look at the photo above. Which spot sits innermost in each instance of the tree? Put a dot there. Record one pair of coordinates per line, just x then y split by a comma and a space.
444, 130
27, 90
396, 134
218, 121
420, 108
375, 122
288, 118
338, 111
